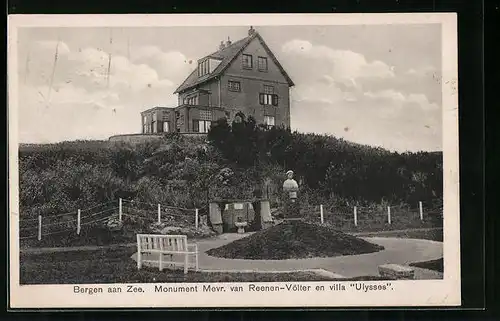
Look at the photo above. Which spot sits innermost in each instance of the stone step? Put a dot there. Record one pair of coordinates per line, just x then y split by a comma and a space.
397, 271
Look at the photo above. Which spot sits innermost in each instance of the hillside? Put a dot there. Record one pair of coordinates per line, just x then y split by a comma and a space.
234, 162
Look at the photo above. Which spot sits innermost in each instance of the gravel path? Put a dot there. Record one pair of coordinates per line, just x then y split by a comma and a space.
397, 251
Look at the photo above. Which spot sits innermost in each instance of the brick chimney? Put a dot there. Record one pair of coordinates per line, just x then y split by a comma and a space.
222, 45
228, 42
251, 31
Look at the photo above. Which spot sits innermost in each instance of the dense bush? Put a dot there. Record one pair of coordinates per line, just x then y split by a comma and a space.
238, 160
330, 169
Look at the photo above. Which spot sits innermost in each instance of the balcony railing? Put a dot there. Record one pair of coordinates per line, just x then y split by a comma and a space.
208, 107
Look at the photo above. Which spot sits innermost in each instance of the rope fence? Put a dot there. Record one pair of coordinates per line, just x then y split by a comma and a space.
137, 212
372, 216
127, 212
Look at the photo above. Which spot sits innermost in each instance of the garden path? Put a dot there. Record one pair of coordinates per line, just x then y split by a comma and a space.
397, 251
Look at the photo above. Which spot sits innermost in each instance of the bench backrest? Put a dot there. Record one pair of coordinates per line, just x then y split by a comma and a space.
176, 243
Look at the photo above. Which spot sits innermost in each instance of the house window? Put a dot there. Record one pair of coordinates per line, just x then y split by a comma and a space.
268, 99
206, 115
247, 61
238, 206
203, 68
201, 126
262, 63
166, 117
268, 89
193, 100
154, 117
144, 129
269, 121
234, 85
166, 127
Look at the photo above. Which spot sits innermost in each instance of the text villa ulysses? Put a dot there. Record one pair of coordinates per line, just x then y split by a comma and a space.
286, 287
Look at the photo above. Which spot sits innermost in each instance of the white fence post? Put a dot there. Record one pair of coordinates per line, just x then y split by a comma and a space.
78, 222
159, 214
421, 211
196, 218
321, 213
120, 211
355, 216
39, 227
389, 214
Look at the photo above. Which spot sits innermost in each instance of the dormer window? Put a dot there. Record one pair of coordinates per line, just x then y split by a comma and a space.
203, 68
247, 61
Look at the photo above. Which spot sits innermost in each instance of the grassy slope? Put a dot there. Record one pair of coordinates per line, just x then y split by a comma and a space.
435, 265
92, 153
423, 234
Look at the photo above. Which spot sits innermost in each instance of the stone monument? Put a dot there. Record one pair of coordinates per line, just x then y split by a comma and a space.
291, 204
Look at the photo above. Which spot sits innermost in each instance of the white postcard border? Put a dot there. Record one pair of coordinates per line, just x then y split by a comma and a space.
405, 293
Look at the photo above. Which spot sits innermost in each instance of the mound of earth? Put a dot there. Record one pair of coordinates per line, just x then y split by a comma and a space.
294, 240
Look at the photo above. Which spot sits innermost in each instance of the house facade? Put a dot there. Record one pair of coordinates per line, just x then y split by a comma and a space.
242, 76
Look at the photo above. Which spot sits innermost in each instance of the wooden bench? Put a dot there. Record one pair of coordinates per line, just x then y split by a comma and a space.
167, 245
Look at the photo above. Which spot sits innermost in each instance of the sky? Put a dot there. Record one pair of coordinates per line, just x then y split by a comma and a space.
369, 84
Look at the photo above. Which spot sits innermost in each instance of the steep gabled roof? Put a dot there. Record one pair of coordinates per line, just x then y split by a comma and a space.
227, 56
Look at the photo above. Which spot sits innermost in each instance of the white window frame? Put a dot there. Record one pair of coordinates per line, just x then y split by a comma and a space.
204, 68
204, 126
270, 120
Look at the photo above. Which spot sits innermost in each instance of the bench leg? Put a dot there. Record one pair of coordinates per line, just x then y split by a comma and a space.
186, 263
138, 251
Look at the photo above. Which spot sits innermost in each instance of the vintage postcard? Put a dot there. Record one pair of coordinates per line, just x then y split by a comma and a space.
233, 161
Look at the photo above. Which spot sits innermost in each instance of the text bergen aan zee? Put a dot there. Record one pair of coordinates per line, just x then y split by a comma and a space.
252, 287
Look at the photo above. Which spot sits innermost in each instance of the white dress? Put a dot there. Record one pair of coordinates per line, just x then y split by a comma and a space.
291, 186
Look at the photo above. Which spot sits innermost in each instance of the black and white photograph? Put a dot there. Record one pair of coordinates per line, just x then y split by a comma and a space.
234, 160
